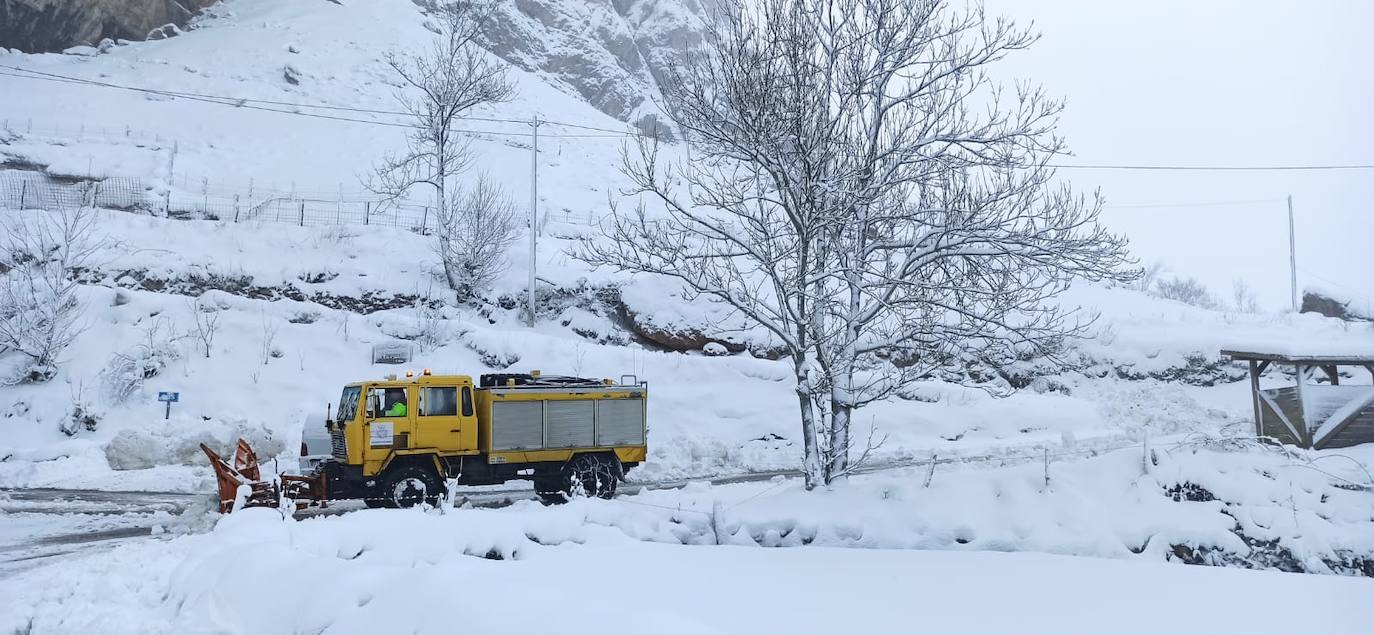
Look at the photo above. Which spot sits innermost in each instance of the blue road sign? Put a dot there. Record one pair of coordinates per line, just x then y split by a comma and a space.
169, 397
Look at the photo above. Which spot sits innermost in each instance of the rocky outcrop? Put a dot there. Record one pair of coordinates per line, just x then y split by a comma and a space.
1323, 304
612, 53
37, 26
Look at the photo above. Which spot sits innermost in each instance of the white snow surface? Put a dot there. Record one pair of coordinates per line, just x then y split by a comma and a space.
654, 557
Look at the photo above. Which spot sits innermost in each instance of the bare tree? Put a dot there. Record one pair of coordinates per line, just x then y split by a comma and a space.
437, 87
747, 231
474, 231
1243, 297
40, 259
1149, 275
867, 195
206, 319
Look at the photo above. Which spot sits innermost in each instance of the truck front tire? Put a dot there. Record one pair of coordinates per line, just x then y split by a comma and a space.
409, 485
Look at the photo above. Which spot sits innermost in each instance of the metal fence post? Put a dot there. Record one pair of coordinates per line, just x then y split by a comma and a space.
302, 213
167, 202
23, 191
367, 211
424, 220
236, 208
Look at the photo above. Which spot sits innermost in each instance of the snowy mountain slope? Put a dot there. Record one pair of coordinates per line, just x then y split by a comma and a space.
613, 54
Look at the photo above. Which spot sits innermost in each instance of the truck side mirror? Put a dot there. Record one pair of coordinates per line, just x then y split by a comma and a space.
374, 405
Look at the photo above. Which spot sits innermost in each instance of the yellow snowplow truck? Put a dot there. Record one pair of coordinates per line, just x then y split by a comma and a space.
399, 442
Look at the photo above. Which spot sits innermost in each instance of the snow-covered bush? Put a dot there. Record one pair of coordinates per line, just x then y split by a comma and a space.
128, 370
40, 314
475, 230
431, 329
80, 417
1188, 291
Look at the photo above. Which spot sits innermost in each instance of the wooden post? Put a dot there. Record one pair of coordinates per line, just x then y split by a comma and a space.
24, 191
302, 213
424, 220
367, 211
1301, 377
236, 208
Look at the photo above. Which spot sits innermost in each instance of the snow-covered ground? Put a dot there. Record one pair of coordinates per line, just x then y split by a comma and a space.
534, 569
1137, 387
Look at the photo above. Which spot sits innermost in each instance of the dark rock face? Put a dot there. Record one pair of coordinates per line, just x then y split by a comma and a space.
1316, 302
39, 26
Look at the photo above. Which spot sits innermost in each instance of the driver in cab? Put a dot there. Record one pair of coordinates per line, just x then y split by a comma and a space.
395, 399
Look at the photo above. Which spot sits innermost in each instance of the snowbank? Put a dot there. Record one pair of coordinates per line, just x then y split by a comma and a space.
529, 568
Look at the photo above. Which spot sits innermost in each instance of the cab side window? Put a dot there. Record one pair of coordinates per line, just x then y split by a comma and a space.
438, 402
467, 401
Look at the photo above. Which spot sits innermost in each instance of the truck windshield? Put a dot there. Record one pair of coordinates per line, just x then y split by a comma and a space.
348, 404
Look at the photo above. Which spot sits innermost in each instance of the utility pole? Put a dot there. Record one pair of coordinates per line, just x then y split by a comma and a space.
534, 208
1292, 255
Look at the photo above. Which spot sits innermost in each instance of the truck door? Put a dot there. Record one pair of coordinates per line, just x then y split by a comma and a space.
390, 413
446, 419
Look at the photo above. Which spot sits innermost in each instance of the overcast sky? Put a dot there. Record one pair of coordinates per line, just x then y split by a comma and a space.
1202, 82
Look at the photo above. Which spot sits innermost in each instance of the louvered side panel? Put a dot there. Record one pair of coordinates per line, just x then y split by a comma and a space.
620, 422
517, 425
569, 424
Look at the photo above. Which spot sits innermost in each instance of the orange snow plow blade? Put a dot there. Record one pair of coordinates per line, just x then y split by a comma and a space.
304, 490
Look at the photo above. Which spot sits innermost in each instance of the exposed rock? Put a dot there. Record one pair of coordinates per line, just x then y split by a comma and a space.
615, 54
37, 26
1318, 302
291, 75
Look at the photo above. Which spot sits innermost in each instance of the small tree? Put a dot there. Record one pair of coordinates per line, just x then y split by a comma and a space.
437, 87
206, 320
1243, 297
40, 259
474, 231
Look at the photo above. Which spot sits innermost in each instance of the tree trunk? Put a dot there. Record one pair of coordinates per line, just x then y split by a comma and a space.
811, 459
840, 416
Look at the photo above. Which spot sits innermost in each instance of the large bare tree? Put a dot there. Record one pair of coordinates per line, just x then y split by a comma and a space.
437, 88
867, 194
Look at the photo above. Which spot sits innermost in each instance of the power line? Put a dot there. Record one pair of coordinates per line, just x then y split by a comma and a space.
608, 133
1199, 204
1214, 168
249, 103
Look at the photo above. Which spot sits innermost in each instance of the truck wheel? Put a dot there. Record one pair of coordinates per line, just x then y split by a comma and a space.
592, 475
408, 485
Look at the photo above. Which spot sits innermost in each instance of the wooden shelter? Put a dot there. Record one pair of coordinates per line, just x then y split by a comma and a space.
1311, 414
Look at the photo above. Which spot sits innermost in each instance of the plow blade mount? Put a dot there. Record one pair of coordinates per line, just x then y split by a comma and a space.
244, 476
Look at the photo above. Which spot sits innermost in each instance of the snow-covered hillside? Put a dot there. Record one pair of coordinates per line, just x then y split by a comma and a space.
1131, 445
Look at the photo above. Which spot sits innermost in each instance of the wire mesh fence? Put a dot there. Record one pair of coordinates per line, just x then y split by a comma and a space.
31, 190
180, 195
23, 189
